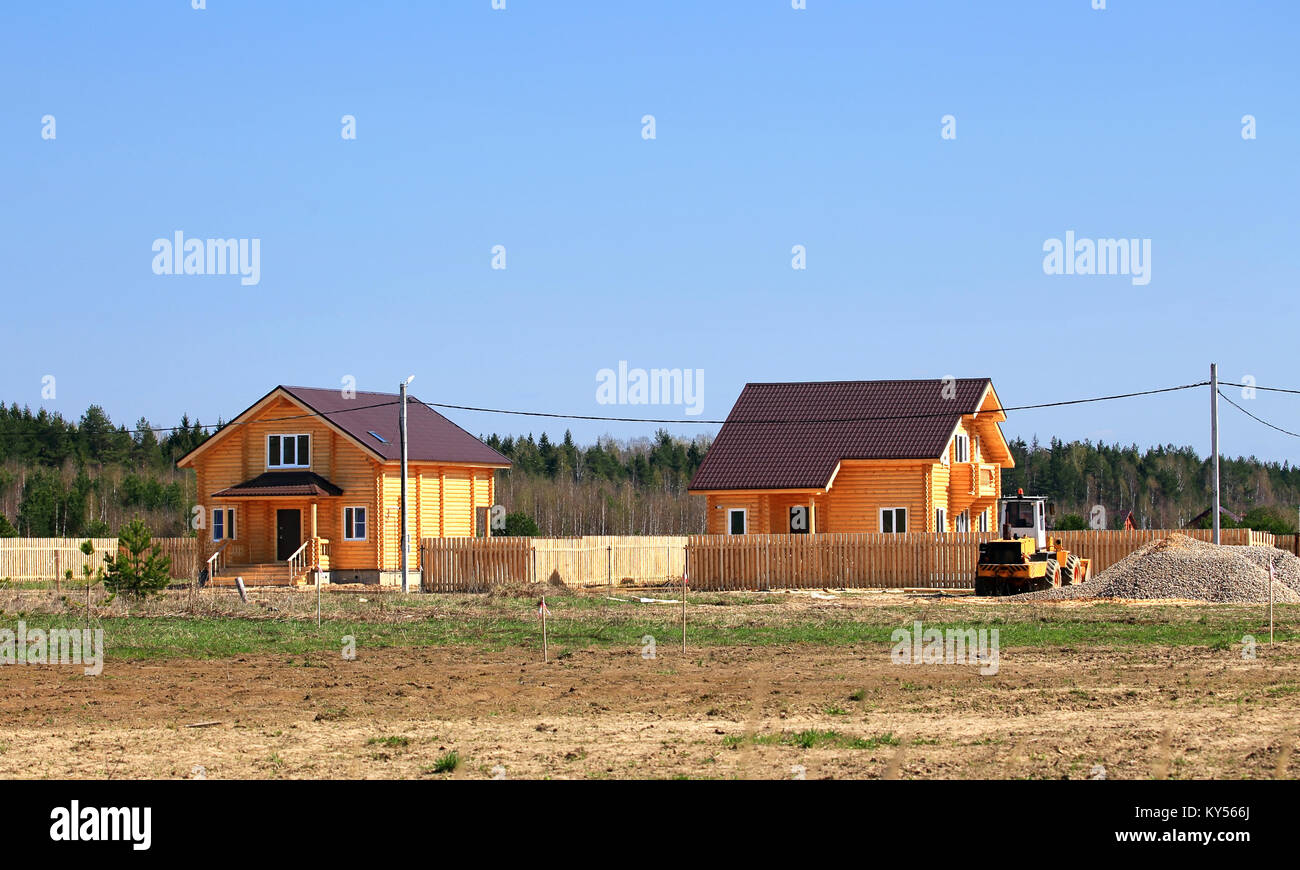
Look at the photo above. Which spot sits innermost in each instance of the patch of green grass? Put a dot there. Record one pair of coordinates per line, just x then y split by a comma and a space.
835, 711
447, 763
811, 738
578, 623
393, 742
857, 695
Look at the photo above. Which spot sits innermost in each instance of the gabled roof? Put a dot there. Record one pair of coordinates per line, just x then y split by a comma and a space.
430, 436
1205, 514
794, 435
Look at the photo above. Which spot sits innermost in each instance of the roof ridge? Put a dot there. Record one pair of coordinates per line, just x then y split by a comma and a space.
409, 397
872, 381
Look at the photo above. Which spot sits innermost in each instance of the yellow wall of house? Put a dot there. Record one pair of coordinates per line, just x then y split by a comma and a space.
441, 502
940, 497
856, 496
755, 504
863, 487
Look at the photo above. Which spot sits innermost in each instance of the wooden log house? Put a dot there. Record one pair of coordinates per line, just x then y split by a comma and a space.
309, 480
857, 456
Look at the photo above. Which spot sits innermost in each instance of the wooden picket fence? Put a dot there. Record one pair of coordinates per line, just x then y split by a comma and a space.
760, 562
608, 560
47, 559
473, 564
477, 564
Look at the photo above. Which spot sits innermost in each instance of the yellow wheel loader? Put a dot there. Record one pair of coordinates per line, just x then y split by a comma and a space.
1025, 558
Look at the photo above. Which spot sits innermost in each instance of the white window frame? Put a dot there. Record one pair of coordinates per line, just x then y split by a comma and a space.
295, 436
984, 520
961, 447
961, 522
349, 528
893, 511
941, 520
744, 512
227, 521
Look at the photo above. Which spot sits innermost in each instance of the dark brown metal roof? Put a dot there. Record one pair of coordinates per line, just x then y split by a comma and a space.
430, 436
282, 483
792, 435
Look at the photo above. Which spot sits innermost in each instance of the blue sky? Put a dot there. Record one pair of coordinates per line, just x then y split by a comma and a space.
774, 127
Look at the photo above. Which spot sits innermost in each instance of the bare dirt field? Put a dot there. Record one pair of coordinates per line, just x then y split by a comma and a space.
781, 710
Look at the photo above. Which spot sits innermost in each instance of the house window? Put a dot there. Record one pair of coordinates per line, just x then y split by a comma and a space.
223, 524
961, 447
963, 522
736, 521
354, 524
288, 451
941, 519
893, 520
984, 521
978, 453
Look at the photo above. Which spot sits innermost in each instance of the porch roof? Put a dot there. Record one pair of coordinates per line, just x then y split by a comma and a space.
282, 483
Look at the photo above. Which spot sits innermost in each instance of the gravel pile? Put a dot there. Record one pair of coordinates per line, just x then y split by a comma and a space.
1286, 567
1183, 567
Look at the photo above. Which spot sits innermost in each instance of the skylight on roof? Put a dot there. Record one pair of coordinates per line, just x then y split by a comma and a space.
380, 438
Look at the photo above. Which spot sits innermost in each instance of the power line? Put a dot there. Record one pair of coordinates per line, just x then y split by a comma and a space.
554, 415
708, 422
1257, 387
1257, 419
219, 426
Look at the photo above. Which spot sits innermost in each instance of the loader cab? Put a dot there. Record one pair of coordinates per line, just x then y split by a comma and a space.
1024, 516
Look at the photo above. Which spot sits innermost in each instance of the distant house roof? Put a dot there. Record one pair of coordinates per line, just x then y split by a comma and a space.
793, 435
294, 483
371, 419
1191, 524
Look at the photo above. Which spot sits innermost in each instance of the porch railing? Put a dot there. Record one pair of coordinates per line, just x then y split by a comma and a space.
313, 555
300, 561
217, 561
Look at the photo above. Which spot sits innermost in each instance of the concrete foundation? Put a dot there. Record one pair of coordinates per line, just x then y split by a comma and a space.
377, 578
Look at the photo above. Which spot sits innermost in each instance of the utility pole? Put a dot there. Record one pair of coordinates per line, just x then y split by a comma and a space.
405, 537
1214, 442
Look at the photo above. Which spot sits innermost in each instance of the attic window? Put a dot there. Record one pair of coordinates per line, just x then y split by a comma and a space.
373, 434
288, 451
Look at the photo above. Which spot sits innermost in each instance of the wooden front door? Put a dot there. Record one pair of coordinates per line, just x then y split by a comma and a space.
288, 533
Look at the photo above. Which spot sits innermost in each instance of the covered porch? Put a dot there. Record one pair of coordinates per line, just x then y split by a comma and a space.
271, 530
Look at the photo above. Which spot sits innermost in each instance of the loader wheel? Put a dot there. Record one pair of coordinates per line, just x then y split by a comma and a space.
1053, 576
983, 586
1070, 576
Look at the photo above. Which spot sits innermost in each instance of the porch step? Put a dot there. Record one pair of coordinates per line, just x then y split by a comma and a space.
263, 574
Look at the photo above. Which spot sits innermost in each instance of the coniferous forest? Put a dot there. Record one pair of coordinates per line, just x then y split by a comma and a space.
62, 478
